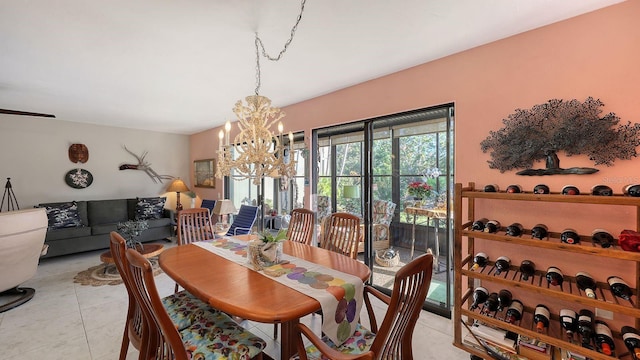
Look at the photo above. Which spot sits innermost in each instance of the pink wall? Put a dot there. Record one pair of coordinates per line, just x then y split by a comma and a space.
596, 54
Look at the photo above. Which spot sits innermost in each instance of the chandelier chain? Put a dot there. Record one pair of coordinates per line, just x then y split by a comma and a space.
260, 46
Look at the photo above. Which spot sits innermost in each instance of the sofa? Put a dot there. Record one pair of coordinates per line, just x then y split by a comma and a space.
80, 226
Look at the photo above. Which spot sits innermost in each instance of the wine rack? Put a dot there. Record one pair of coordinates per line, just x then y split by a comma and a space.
537, 284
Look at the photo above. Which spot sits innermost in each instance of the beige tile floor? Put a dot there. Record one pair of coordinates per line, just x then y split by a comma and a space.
71, 321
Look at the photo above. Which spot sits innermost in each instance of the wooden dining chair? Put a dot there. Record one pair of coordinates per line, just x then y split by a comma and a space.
194, 225
342, 234
392, 340
301, 226
212, 336
182, 307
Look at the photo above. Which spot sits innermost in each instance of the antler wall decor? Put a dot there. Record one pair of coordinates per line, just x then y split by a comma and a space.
144, 166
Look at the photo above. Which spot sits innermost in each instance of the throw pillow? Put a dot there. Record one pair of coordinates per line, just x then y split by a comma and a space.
63, 216
150, 208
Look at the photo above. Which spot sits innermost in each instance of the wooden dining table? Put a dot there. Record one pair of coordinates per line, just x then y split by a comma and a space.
238, 290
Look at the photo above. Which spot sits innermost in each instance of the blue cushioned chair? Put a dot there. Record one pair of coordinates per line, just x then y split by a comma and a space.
243, 222
208, 204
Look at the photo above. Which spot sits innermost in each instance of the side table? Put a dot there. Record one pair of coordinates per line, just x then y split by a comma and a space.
436, 215
147, 251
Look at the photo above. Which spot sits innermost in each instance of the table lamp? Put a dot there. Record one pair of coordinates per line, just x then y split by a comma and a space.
350, 192
178, 186
223, 208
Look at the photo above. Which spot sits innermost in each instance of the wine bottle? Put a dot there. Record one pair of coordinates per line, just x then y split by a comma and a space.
570, 236
478, 225
619, 287
515, 229
585, 327
569, 322
491, 188
554, 276
480, 295
492, 226
631, 338
632, 190
514, 312
527, 268
491, 304
514, 189
502, 264
601, 190
541, 189
604, 339
541, 318
479, 260
586, 283
602, 237
570, 190
504, 299
539, 231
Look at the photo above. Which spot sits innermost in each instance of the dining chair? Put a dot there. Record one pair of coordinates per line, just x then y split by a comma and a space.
300, 230
181, 307
392, 340
194, 225
301, 226
243, 221
342, 234
212, 336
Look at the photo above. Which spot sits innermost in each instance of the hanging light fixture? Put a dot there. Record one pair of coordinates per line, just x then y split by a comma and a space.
257, 151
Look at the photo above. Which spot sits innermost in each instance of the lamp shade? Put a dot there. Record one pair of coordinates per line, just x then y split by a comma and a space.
224, 207
177, 185
351, 191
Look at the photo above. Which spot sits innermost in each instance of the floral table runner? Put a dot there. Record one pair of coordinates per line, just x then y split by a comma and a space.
339, 294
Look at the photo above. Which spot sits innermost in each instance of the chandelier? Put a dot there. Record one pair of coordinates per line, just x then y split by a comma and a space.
257, 152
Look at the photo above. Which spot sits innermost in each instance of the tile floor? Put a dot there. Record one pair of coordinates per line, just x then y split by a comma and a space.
71, 321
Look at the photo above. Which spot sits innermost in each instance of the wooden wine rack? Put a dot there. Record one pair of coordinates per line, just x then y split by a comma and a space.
536, 284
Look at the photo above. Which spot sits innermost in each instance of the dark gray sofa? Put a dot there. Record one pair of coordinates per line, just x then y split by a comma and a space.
98, 219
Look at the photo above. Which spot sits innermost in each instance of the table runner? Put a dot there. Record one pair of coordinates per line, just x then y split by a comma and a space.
339, 294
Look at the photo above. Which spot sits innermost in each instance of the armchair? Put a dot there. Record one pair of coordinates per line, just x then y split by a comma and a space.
22, 234
323, 210
243, 222
382, 215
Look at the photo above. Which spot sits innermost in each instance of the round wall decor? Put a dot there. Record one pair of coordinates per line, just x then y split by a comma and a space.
78, 178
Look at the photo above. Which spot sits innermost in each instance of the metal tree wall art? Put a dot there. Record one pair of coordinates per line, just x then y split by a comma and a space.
144, 166
571, 126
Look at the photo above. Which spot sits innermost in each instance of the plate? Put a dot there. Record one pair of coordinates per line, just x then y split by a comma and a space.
78, 178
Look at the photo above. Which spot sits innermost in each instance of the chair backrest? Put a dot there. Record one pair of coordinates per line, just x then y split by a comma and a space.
243, 221
134, 322
383, 212
208, 204
301, 226
164, 341
342, 234
410, 286
22, 234
194, 225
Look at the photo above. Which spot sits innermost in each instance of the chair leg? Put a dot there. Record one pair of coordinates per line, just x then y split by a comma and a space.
275, 331
176, 289
124, 348
24, 295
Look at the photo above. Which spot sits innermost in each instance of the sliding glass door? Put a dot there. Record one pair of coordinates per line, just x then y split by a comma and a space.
365, 167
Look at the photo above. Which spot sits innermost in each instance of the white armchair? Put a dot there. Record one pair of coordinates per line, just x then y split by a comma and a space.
22, 234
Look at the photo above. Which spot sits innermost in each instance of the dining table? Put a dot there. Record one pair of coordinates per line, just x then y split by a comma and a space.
243, 292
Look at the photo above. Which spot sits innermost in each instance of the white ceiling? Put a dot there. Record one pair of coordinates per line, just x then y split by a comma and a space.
180, 66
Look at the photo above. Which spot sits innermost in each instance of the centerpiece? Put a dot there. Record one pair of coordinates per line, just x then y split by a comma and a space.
130, 230
419, 190
266, 250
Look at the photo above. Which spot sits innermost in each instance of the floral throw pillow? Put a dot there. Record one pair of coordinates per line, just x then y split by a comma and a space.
150, 208
63, 216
